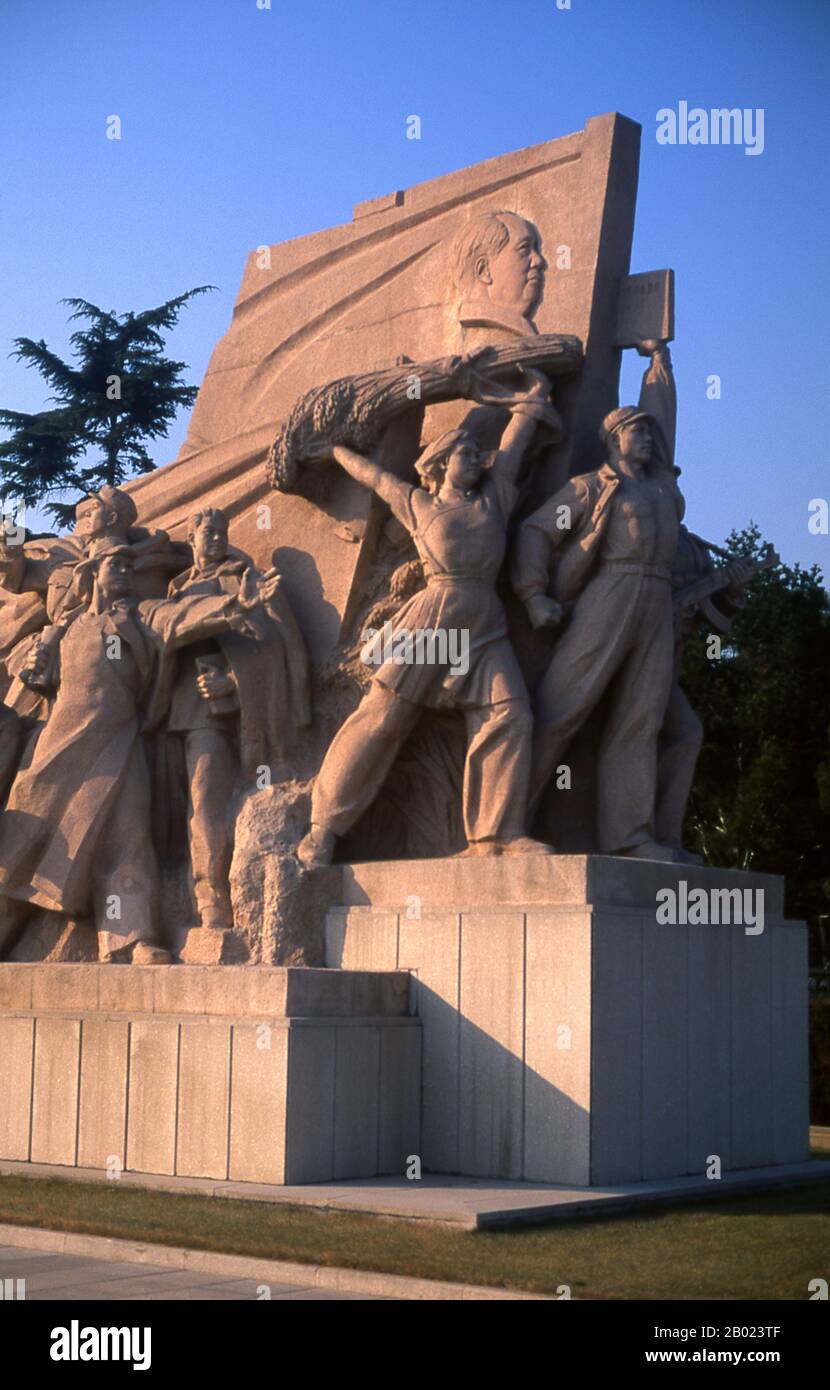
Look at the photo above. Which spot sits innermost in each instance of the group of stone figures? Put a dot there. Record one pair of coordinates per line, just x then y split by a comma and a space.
217, 670
132, 666
628, 581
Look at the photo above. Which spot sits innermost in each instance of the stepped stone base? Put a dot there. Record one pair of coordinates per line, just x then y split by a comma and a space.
563, 1035
242, 1073
568, 1036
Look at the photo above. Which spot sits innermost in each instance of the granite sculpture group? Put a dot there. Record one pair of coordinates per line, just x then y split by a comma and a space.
149, 685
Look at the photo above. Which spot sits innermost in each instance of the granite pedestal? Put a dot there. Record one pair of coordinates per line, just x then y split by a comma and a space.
568, 1036
249, 1073
524, 1018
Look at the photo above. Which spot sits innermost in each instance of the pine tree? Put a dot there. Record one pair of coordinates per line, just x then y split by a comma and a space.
120, 393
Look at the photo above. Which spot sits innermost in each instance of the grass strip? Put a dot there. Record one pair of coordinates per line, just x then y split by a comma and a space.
761, 1246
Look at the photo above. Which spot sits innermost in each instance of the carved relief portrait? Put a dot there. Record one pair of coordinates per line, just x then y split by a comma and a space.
498, 272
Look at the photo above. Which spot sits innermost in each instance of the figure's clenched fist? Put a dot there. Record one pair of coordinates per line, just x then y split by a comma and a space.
544, 611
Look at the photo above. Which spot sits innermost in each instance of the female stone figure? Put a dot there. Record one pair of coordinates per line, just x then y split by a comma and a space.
75, 834
458, 520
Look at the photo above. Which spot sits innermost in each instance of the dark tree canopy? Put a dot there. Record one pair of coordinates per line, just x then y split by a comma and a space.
120, 393
761, 797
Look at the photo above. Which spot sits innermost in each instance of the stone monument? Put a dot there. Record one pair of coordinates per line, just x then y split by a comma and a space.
291, 885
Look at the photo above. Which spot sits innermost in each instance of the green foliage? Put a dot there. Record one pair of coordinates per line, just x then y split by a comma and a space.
762, 793
120, 393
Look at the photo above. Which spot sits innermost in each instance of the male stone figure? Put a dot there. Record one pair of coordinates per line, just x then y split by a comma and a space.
235, 696
499, 271
38, 600
75, 836
104, 518
615, 533
458, 520
681, 735
21, 615
45, 570
497, 275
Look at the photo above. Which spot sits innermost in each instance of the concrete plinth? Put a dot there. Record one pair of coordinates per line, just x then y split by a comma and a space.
243, 1073
563, 1035
568, 1036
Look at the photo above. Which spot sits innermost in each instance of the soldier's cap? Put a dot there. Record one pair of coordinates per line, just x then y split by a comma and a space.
116, 499
85, 570
623, 415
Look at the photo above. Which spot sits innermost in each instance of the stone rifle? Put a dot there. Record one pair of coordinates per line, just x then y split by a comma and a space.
697, 595
354, 410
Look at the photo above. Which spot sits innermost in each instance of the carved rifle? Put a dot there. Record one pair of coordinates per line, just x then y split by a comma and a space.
698, 594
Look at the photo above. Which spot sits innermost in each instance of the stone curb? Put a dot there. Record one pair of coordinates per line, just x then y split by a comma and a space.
562, 1205
263, 1271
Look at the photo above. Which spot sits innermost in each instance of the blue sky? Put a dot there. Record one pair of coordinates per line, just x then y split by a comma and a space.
244, 125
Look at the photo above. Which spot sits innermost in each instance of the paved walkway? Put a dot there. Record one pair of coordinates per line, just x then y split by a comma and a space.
471, 1203
63, 1278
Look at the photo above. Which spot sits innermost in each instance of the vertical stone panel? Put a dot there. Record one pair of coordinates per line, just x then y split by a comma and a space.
335, 931
103, 1101
665, 1044
356, 1074
790, 1044
616, 1091
370, 941
751, 1047
258, 1101
151, 1114
400, 1098
431, 947
17, 1041
710, 1046
55, 1102
492, 1029
558, 1062
309, 1139
204, 1084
